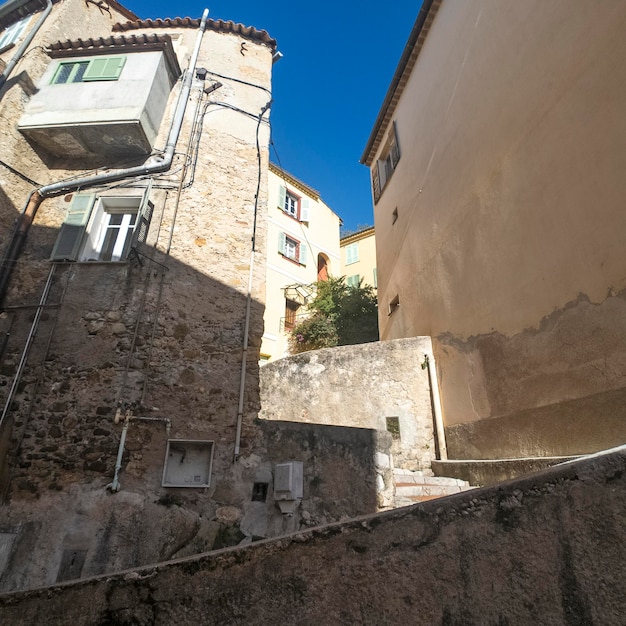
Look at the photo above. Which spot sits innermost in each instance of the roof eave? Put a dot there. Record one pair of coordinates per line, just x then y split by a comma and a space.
407, 60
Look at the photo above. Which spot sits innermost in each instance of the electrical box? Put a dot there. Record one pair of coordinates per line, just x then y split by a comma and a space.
288, 482
188, 463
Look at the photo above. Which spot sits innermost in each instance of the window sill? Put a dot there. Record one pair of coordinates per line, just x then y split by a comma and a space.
294, 261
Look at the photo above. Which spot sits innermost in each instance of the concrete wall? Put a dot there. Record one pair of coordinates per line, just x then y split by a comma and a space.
508, 247
546, 549
358, 386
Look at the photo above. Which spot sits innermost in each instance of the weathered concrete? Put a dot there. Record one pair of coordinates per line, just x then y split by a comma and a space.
546, 549
358, 386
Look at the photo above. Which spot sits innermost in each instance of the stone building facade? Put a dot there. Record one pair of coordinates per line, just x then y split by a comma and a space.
498, 192
133, 165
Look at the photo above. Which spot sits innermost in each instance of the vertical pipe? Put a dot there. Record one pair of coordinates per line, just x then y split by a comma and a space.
436, 398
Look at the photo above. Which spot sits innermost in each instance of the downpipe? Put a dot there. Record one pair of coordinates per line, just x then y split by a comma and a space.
157, 165
27, 41
429, 362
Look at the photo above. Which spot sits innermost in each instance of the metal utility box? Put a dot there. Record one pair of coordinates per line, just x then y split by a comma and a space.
288, 485
188, 463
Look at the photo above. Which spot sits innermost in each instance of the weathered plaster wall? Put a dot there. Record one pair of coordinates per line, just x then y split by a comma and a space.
508, 248
358, 386
545, 549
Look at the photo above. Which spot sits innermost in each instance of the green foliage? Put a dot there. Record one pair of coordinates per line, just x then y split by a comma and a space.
340, 315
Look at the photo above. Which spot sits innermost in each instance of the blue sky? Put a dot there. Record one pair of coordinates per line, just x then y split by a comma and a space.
339, 58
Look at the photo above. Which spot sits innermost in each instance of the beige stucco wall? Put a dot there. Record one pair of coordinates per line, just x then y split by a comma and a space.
508, 248
365, 267
320, 235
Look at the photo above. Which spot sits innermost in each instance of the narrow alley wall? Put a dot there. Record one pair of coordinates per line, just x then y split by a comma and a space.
545, 549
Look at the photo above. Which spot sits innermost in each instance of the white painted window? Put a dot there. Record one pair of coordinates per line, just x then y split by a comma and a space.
13, 32
352, 253
103, 229
291, 248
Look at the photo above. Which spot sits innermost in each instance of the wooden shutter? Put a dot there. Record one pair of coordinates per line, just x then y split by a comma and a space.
304, 209
282, 239
282, 196
71, 234
375, 182
104, 68
302, 254
394, 149
144, 216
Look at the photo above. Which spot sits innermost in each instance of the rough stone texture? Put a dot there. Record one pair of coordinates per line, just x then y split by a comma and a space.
358, 386
546, 549
158, 337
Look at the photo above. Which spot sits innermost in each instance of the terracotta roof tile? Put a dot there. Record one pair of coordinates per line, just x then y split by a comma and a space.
249, 32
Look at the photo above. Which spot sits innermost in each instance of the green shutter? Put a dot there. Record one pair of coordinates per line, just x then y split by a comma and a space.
304, 209
71, 234
281, 242
144, 216
105, 68
302, 254
282, 196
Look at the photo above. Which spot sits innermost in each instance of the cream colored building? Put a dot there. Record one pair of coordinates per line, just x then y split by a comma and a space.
358, 258
497, 163
303, 247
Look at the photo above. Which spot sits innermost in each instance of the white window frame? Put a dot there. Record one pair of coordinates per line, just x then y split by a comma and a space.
13, 33
292, 205
100, 226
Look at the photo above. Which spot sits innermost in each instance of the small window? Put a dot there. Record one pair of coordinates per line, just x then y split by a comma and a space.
291, 313
293, 205
394, 304
393, 427
103, 229
291, 249
13, 33
259, 492
353, 281
100, 68
384, 167
352, 253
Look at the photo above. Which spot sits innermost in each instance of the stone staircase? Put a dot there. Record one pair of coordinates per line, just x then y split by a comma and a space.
416, 486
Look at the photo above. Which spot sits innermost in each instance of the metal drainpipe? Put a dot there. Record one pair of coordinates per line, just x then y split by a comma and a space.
436, 398
29, 38
160, 164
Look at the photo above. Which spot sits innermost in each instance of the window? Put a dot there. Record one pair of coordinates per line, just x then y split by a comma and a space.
393, 427
394, 304
293, 205
103, 229
100, 68
376, 278
352, 253
291, 249
291, 313
383, 169
13, 33
353, 281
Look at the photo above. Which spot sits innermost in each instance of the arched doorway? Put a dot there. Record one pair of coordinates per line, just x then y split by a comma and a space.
322, 267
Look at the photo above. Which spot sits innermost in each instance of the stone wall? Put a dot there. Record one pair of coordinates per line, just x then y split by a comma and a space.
359, 386
544, 549
157, 339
